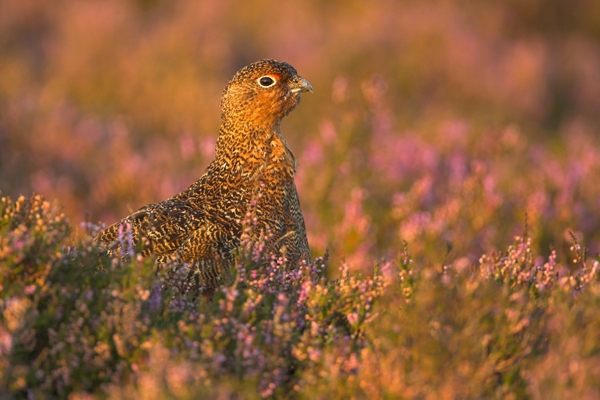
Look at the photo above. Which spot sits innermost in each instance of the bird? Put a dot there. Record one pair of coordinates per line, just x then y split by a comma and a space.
252, 173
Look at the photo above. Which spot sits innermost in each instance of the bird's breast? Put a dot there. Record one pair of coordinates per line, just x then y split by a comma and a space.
280, 159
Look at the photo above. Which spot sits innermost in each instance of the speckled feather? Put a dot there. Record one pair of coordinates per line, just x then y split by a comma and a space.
201, 225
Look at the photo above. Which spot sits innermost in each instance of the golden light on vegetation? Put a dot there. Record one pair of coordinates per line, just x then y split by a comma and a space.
448, 159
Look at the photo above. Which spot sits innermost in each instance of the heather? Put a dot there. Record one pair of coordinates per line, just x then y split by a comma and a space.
448, 160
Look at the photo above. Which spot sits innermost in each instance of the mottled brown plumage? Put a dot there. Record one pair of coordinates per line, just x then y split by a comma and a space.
201, 226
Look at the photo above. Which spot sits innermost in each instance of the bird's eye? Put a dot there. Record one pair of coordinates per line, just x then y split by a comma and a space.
266, 81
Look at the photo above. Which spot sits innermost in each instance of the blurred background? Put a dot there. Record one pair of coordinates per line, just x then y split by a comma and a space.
439, 123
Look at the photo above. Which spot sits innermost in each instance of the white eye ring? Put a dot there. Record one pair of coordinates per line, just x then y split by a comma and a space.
266, 81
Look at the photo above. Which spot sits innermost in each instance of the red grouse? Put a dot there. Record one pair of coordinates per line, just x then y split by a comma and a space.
253, 170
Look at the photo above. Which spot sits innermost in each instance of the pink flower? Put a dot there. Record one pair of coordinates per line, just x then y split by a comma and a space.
352, 318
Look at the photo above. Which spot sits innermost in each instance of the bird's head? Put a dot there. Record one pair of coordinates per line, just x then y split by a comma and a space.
262, 93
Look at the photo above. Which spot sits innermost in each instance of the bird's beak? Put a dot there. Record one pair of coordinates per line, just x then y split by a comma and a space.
299, 85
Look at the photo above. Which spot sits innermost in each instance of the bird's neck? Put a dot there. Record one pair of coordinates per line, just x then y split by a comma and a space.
252, 149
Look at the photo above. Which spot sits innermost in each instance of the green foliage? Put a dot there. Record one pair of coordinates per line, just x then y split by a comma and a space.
76, 321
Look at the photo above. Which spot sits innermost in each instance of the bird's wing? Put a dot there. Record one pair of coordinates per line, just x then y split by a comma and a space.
165, 225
